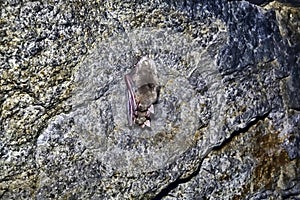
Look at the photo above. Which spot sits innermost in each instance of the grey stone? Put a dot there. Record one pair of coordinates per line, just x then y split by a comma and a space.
226, 124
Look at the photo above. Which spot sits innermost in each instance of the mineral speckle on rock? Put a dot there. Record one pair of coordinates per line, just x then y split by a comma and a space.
226, 124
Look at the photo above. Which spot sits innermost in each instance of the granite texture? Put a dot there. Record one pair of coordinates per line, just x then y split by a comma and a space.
226, 125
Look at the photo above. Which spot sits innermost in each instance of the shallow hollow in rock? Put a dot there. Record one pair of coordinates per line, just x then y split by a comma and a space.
99, 102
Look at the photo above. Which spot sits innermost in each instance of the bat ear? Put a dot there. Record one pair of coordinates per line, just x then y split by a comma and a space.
151, 109
147, 123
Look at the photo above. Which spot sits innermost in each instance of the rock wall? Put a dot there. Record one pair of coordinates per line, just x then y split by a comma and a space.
226, 125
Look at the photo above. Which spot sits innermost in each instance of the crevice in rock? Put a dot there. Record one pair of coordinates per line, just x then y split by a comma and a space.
165, 191
242, 130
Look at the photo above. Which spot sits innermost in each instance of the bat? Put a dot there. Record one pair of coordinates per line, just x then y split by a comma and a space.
142, 92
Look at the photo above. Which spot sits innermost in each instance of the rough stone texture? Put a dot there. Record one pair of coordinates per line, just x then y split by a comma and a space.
227, 123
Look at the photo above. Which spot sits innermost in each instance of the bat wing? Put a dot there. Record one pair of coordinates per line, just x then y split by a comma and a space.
131, 104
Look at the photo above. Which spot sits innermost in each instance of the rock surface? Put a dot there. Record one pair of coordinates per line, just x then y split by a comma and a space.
227, 122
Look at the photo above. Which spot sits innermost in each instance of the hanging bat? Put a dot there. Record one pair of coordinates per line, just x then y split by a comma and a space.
142, 92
